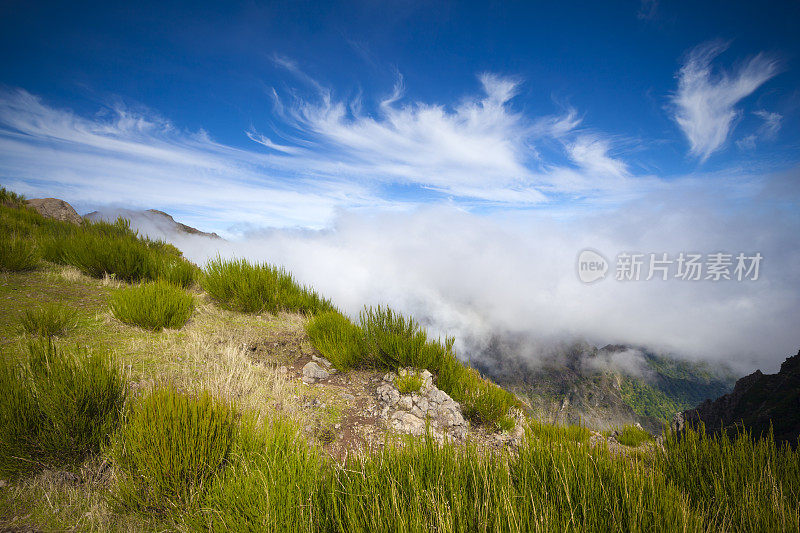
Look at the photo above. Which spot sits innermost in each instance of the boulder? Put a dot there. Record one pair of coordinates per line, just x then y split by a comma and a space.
313, 372
55, 208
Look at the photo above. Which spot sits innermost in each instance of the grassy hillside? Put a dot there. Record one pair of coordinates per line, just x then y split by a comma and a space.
204, 424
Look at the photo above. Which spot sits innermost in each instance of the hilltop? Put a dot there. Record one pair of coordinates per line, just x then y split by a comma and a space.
161, 221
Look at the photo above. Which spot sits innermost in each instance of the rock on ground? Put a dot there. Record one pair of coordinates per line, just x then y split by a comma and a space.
427, 408
55, 208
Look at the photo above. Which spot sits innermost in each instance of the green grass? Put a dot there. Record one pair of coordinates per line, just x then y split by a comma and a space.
96, 248
270, 484
10, 198
169, 449
56, 407
739, 483
51, 320
238, 285
554, 485
552, 432
387, 340
633, 436
122, 255
17, 254
338, 339
408, 383
153, 306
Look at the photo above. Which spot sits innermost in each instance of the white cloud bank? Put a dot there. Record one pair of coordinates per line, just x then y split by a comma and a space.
479, 278
705, 102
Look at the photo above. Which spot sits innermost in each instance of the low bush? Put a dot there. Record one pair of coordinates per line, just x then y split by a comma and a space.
388, 340
52, 320
153, 306
270, 484
10, 198
174, 270
241, 286
633, 436
338, 339
100, 248
124, 257
739, 483
169, 449
17, 254
56, 407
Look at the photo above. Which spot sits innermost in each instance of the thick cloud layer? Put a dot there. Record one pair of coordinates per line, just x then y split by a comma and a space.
477, 277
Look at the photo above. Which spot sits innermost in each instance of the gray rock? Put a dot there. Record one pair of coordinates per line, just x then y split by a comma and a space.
388, 394
408, 423
321, 360
405, 403
312, 371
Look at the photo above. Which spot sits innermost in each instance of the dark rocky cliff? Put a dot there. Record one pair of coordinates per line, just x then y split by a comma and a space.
757, 401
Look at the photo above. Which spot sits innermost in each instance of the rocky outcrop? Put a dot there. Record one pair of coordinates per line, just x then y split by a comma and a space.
152, 222
427, 408
55, 208
182, 227
757, 402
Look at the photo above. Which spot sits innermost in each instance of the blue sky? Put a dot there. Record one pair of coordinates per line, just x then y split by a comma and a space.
457, 156
288, 112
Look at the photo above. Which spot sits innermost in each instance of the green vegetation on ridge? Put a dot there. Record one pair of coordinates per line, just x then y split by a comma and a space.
241, 286
385, 339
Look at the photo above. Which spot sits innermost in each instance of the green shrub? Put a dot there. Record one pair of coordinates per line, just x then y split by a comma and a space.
241, 286
338, 339
17, 254
409, 383
10, 198
169, 448
56, 407
739, 483
270, 484
174, 270
95, 254
52, 320
633, 436
153, 306
388, 340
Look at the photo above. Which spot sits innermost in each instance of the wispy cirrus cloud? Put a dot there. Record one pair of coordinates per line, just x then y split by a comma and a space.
143, 160
768, 130
323, 155
705, 102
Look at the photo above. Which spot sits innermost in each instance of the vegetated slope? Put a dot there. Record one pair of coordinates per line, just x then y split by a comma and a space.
219, 432
604, 388
759, 402
159, 219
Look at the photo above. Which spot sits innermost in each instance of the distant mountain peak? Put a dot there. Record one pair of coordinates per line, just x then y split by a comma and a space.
164, 222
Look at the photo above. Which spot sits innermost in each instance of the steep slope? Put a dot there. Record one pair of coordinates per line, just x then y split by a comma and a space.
607, 387
757, 402
151, 222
